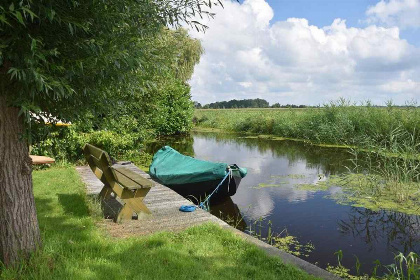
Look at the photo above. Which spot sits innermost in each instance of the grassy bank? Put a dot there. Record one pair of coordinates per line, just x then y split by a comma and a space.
339, 124
74, 248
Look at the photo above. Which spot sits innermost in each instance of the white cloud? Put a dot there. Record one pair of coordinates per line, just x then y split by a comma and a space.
248, 56
402, 86
401, 13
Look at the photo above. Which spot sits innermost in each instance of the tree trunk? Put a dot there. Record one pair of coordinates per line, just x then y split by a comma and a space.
19, 230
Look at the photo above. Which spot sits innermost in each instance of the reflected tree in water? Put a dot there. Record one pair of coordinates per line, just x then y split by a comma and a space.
328, 161
182, 143
401, 231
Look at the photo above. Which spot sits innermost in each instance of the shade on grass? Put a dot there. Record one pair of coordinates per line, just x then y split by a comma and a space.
74, 248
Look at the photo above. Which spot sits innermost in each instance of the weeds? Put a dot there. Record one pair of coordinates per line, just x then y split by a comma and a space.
282, 240
403, 268
386, 177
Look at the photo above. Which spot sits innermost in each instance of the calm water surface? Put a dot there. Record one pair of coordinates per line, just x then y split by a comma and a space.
269, 192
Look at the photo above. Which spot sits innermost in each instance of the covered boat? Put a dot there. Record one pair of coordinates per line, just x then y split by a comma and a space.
193, 178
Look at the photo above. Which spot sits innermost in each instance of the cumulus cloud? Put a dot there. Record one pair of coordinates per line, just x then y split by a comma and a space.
401, 13
249, 56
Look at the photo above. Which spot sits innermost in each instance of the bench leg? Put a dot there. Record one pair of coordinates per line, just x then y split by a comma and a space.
126, 213
105, 192
133, 204
136, 203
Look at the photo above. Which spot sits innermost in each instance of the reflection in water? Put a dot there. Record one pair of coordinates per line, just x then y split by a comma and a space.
183, 144
269, 191
228, 211
401, 231
330, 160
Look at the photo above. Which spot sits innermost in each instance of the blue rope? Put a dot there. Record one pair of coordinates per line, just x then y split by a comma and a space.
187, 208
191, 208
202, 204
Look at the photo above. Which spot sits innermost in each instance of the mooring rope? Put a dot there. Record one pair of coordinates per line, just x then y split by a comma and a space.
202, 205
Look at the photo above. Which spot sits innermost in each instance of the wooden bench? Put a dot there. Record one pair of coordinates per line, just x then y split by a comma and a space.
37, 160
129, 186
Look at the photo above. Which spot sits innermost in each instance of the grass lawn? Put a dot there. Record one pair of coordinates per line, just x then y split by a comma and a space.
74, 248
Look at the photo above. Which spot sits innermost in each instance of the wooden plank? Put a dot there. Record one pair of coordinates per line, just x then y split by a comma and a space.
92, 150
100, 162
130, 179
105, 192
41, 160
126, 213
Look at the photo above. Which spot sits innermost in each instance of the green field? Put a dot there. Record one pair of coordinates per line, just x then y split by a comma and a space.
362, 126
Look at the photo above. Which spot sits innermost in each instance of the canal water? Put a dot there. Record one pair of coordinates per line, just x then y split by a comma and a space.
270, 193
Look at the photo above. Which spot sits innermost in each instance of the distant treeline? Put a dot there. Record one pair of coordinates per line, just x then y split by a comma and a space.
245, 103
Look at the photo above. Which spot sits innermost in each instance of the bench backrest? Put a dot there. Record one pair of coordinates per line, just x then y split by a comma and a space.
118, 178
100, 163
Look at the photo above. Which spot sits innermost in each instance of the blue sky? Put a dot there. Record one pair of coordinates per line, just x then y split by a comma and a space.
311, 52
323, 13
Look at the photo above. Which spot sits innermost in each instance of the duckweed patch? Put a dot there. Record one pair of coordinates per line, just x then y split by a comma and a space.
291, 176
283, 241
372, 192
267, 185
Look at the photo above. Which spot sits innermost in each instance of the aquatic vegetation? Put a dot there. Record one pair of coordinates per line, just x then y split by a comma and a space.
371, 191
385, 178
290, 244
279, 180
291, 176
282, 240
266, 185
404, 267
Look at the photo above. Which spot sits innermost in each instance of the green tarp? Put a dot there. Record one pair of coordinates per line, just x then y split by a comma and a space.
172, 168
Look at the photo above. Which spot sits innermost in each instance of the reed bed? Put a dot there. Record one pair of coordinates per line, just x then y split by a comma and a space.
338, 123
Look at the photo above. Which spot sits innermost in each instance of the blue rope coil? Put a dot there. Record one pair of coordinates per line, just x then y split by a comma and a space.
187, 208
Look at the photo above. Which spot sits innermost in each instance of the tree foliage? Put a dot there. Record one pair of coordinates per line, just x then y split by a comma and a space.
150, 97
244, 103
64, 58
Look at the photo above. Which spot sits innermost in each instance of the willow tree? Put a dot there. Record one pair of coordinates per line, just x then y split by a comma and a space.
61, 59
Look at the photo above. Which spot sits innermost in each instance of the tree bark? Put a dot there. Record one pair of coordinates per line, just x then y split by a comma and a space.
19, 230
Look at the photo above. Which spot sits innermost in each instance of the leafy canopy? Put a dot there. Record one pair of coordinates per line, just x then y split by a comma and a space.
65, 58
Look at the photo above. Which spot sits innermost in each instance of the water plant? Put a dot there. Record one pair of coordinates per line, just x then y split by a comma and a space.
404, 268
385, 177
283, 240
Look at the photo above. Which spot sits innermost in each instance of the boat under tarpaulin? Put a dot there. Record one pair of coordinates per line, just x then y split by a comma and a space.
194, 178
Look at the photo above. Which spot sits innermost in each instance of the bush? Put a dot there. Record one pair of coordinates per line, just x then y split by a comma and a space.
66, 143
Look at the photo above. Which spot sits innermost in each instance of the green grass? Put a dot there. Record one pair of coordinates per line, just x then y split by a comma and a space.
338, 123
74, 248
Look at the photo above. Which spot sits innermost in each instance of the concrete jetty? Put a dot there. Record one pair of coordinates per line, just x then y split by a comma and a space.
164, 204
